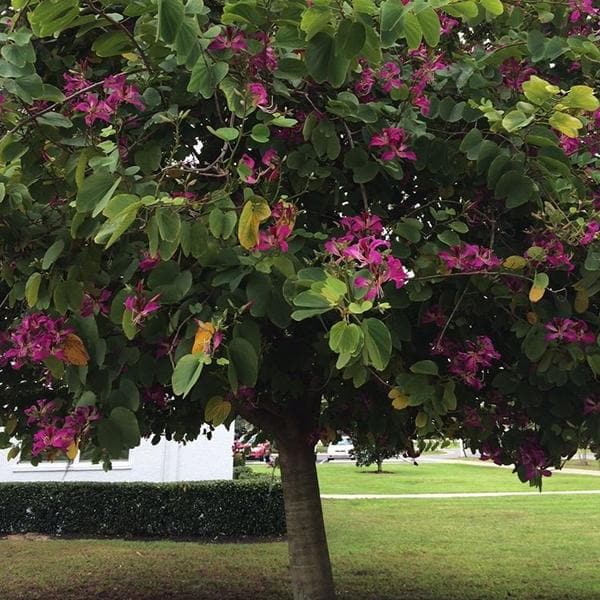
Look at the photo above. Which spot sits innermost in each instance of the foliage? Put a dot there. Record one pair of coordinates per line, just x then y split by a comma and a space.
262, 207
374, 450
205, 509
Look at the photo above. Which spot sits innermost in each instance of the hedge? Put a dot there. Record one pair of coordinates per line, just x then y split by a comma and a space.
192, 509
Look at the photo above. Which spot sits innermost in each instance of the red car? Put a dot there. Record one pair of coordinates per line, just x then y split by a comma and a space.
252, 449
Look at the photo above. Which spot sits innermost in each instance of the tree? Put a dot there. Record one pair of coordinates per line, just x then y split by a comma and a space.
316, 215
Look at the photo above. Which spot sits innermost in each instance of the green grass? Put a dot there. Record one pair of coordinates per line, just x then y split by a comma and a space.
345, 478
530, 548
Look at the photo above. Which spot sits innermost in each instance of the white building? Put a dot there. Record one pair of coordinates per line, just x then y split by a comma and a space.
167, 461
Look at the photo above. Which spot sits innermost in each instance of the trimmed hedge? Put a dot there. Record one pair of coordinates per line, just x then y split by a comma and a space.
191, 509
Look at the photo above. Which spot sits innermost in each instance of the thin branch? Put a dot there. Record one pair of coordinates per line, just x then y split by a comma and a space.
126, 31
51, 107
363, 191
447, 323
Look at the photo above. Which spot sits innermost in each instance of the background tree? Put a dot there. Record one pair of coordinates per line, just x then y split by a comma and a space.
262, 207
374, 450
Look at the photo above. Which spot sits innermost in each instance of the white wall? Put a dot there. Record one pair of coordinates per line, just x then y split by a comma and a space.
167, 461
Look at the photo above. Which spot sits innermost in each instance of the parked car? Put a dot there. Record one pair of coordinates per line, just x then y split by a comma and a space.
340, 449
252, 449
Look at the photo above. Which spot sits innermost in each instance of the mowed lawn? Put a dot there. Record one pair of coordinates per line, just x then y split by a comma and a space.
406, 478
529, 548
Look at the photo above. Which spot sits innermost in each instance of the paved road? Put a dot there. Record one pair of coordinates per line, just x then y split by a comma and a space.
451, 495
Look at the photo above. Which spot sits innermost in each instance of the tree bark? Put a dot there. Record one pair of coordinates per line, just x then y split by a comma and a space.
380, 466
310, 567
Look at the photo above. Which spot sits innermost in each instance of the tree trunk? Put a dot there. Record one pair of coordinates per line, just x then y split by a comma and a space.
310, 567
380, 466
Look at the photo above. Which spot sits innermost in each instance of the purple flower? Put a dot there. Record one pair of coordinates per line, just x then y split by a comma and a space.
148, 262
35, 339
74, 83
447, 23
95, 305
265, 59
490, 451
275, 237
392, 141
572, 331
157, 396
469, 363
556, 256
389, 77
94, 109
363, 87
41, 413
232, 39
434, 314
591, 231
533, 460
581, 8
469, 257
140, 306
258, 94
247, 171
361, 225
52, 437
515, 73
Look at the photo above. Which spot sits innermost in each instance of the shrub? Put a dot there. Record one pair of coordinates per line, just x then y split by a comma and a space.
191, 509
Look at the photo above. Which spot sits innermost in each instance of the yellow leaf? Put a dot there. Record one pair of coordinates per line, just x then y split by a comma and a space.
532, 318
515, 262
217, 410
255, 211
203, 337
565, 123
536, 293
400, 402
74, 351
72, 451
582, 301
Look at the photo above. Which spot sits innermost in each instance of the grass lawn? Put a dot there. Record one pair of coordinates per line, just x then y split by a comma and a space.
405, 478
530, 548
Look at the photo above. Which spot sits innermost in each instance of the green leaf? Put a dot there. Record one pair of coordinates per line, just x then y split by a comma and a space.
345, 338
412, 31
95, 192
32, 288
52, 254
169, 224
494, 7
322, 62
170, 18
430, 25
53, 16
186, 373
535, 344
378, 343
515, 187
424, 367
244, 359
206, 76
227, 134
112, 43
350, 38
515, 120
541, 280
127, 424
129, 327
593, 360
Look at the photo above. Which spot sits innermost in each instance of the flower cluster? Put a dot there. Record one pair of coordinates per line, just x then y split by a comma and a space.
117, 92
423, 76
515, 73
265, 60
591, 232
555, 255
470, 363
571, 331
362, 248
392, 140
140, 306
250, 173
533, 460
36, 338
434, 314
469, 257
275, 236
580, 9
55, 433
148, 262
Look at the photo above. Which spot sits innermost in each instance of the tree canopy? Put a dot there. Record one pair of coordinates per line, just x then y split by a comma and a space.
324, 216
